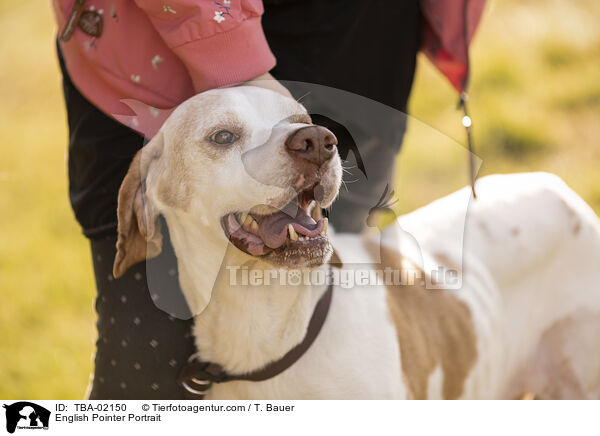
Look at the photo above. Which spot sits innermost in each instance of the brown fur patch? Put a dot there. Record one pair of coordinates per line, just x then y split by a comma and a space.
445, 260
554, 371
175, 191
434, 328
139, 233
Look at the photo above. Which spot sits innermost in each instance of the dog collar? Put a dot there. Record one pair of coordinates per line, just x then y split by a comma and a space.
197, 376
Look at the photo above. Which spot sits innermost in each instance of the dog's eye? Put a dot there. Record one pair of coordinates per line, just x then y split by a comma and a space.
223, 137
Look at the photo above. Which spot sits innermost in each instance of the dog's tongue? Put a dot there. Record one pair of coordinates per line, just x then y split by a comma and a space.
273, 228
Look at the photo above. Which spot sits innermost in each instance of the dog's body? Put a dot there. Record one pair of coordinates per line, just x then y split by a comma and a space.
526, 318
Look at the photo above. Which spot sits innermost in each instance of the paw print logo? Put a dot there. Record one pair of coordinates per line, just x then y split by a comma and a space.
294, 278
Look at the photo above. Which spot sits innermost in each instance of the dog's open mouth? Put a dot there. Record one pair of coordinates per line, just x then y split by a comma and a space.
289, 237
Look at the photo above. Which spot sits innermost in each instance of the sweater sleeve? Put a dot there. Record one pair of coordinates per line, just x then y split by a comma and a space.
448, 28
220, 42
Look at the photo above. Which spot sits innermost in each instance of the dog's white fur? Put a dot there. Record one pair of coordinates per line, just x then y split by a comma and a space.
529, 263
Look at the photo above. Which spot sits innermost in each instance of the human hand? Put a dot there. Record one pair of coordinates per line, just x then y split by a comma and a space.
267, 81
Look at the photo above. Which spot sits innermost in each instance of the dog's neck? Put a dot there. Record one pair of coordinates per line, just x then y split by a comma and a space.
247, 320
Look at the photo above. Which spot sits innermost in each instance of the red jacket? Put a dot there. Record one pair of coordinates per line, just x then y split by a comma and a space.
449, 26
152, 55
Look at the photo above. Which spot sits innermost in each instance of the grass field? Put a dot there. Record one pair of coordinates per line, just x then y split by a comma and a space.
535, 102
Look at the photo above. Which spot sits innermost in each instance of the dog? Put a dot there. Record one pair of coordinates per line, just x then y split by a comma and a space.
240, 175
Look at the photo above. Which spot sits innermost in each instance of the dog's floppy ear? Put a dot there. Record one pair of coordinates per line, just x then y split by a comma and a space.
139, 237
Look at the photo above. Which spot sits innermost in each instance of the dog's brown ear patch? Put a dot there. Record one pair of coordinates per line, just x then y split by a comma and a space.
139, 234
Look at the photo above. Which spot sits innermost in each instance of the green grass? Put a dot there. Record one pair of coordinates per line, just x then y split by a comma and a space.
46, 316
535, 103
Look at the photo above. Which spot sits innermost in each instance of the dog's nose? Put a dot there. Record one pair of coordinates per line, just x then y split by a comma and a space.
315, 144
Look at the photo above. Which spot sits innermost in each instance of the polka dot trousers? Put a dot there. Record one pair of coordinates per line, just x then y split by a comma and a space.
144, 327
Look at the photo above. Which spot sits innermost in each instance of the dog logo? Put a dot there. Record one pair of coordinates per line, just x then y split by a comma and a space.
26, 415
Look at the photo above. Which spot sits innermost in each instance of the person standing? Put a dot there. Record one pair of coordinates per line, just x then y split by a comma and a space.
127, 63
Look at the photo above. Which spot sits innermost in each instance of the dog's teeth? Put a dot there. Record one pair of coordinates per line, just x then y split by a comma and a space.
248, 222
254, 226
325, 225
293, 234
243, 217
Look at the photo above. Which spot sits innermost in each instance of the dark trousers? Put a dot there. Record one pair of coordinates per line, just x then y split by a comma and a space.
366, 48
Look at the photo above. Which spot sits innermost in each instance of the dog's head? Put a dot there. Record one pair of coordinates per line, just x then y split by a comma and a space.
244, 164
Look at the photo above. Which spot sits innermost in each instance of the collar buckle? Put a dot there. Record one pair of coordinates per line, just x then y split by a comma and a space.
197, 377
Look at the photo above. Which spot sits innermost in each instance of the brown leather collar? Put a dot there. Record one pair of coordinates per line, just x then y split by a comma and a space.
197, 376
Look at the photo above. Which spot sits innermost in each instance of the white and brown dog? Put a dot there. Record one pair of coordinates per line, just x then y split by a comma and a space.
236, 173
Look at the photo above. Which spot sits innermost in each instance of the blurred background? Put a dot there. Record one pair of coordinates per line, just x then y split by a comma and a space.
534, 100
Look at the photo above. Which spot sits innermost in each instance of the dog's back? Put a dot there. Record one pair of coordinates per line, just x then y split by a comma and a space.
530, 279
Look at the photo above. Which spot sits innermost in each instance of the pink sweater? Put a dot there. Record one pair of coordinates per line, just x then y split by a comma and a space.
154, 54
